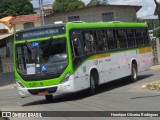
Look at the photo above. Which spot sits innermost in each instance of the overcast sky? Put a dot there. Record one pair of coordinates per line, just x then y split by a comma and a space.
147, 10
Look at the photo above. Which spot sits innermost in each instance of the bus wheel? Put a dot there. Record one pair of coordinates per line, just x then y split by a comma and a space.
92, 86
49, 98
133, 77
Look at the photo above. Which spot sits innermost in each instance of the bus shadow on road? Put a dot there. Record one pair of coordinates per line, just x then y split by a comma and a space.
84, 94
119, 83
142, 77
143, 97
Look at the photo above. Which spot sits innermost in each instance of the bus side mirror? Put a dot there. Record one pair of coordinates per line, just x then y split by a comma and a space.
76, 42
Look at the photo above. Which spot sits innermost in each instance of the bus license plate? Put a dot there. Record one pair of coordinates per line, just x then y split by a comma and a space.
43, 93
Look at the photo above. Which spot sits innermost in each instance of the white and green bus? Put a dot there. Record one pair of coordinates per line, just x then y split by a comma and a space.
65, 58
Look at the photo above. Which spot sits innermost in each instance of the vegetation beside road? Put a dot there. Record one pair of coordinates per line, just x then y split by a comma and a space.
152, 86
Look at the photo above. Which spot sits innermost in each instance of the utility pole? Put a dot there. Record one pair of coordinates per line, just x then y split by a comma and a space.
41, 12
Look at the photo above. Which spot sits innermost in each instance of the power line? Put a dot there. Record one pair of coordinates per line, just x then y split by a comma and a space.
41, 12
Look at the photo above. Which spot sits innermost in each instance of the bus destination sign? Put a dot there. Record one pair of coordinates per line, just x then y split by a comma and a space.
40, 33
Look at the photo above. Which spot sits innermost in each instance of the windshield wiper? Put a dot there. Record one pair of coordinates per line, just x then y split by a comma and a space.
29, 46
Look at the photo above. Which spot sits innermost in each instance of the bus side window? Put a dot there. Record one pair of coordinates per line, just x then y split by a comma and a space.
88, 41
146, 37
76, 43
139, 37
86, 36
121, 39
130, 38
102, 41
93, 37
112, 44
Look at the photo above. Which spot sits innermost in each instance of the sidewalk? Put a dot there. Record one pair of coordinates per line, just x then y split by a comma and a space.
155, 85
155, 67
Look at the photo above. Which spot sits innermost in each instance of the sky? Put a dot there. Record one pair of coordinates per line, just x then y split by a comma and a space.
147, 10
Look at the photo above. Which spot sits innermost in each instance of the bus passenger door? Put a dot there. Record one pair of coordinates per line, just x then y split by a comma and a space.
78, 58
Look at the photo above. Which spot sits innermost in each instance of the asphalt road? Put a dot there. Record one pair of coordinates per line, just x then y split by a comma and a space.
118, 95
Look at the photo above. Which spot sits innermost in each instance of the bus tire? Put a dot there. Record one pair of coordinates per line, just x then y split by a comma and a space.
133, 76
49, 98
92, 86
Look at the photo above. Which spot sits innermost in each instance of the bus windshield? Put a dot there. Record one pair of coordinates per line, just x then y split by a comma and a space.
40, 57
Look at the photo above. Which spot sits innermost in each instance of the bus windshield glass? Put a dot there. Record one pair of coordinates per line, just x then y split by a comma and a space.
40, 57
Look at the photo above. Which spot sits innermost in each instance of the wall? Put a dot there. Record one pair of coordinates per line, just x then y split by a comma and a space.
3, 51
9, 44
19, 26
94, 14
155, 42
10, 30
3, 26
6, 63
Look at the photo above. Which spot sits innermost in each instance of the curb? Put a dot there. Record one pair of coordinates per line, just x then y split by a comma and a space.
155, 85
154, 67
8, 87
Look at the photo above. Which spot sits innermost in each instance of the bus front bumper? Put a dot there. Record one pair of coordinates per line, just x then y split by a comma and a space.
66, 87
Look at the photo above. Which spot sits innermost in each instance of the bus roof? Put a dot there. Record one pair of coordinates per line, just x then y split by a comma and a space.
41, 27
113, 24
81, 24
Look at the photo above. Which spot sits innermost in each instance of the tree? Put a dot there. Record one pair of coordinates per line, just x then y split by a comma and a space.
97, 2
15, 7
65, 5
157, 11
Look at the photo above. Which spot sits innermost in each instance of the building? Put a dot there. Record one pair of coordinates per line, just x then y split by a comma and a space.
6, 24
125, 13
6, 46
6, 36
2, 26
26, 21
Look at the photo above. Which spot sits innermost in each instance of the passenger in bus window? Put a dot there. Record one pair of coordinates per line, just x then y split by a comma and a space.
85, 49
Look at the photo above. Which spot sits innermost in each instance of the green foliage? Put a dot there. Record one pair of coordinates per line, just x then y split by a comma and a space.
97, 2
58, 6
65, 5
15, 7
156, 31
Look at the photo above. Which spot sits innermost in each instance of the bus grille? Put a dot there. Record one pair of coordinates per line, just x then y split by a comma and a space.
36, 91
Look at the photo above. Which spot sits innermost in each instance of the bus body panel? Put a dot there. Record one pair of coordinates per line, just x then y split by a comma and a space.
111, 68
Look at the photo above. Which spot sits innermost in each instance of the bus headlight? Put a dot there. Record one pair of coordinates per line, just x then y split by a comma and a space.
19, 84
65, 79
